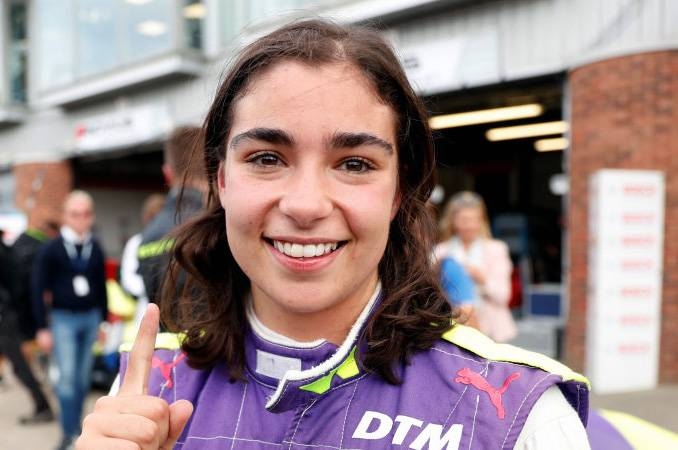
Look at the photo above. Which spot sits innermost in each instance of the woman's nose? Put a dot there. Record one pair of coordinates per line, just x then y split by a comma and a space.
305, 199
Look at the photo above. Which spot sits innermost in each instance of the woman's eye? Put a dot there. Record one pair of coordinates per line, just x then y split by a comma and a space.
264, 159
356, 165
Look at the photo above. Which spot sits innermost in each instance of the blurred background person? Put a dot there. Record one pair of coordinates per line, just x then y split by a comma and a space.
10, 337
130, 279
182, 163
26, 248
69, 276
127, 302
466, 238
457, 284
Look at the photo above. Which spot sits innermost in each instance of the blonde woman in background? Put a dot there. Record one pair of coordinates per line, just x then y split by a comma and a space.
466, 237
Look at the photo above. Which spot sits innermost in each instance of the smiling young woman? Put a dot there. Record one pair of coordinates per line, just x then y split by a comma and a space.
322, 176
309, 314
315, 137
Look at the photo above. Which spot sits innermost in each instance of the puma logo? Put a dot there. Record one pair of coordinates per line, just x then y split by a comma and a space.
467, 376
166, 368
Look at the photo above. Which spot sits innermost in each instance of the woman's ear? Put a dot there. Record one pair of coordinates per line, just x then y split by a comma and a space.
221, 184
397, 198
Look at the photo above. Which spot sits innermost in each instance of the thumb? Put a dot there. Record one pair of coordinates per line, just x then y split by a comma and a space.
179, 411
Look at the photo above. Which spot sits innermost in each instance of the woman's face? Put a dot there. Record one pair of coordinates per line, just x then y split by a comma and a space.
309, 187
468, 222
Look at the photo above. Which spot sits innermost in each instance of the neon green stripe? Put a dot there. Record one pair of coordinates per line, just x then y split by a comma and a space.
319, 386
119, 302
642, 435
166, 341
37, 234
155, 248
347, 369
476, 342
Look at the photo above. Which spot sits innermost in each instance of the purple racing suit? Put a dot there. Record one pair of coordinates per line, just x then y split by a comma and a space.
466, 392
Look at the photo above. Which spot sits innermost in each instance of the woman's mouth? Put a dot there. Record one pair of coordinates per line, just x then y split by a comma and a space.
296, 250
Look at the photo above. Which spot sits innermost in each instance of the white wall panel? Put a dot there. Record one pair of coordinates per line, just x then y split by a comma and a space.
537, 37
669, 23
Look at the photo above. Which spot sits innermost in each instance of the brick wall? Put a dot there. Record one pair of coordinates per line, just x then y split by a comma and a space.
41, 189
624, 115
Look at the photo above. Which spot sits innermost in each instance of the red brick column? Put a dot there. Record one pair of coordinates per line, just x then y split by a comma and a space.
624, 115
41, 189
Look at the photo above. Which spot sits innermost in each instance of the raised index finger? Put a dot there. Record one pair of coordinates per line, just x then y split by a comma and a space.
139, 363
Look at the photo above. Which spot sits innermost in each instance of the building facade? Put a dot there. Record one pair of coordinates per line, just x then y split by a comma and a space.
90, 88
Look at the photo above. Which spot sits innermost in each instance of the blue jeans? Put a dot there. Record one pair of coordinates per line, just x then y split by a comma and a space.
73, 333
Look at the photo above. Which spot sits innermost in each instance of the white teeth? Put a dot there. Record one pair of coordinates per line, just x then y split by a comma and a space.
304, 251
297, 251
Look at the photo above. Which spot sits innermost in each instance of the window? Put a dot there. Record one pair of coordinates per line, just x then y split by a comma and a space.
259, 9
7, 190
80, 39
96, 49
149, 29
17, 52
237, 14
193, 12
56, 42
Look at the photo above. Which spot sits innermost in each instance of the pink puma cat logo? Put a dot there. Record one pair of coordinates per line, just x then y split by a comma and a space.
467, 376
166, 368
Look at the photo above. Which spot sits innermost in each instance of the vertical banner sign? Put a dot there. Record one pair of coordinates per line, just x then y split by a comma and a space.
626, 240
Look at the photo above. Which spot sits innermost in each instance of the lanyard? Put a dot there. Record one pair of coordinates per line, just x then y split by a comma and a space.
79, 263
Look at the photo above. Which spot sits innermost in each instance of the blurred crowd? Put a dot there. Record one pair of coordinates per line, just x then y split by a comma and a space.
63, 315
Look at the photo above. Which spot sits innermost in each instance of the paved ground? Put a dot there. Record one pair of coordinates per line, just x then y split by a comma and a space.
15, 402
659, 406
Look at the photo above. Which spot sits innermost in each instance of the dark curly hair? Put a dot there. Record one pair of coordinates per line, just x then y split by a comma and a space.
210, 308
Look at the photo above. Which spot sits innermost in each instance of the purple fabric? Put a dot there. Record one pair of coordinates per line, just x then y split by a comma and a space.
442, 403
449, 399
603, 435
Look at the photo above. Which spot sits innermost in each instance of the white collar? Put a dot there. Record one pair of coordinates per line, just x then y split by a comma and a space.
333, 361
71, 236
272, 336
472, 254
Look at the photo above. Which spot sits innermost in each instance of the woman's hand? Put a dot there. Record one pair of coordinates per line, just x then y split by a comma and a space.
132, 420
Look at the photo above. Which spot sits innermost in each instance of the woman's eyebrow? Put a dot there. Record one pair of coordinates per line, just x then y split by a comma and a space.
337, 140
352, 140
270, 135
